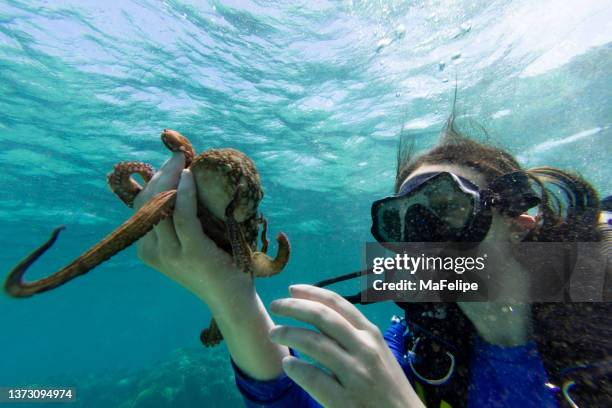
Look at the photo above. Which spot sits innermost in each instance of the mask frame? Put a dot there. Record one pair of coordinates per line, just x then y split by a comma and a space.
409, 217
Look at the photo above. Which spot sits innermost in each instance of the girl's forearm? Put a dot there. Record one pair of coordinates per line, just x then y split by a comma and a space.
245, 324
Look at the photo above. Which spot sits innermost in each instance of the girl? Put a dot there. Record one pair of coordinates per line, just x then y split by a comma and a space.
469, 354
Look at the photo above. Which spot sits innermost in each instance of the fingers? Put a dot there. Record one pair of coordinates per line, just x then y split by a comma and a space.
316, 345
334, 301
324, 318
163, 235
186, 223
166, 236
165, 179
316, 382
186, 200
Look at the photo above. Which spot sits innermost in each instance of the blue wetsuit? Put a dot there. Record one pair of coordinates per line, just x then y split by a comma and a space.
501, 377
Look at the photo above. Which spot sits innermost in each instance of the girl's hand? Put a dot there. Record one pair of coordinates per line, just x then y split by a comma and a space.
178, 247
362, 370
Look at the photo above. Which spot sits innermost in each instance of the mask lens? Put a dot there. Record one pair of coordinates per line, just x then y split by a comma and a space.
447, 201
391, 224
432, 211
421, 225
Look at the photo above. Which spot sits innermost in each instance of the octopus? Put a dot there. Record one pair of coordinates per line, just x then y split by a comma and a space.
228, 194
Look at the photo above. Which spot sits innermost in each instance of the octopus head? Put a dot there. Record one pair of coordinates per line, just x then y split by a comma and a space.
222, 175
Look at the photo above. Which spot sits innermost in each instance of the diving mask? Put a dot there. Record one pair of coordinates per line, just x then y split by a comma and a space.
445, 207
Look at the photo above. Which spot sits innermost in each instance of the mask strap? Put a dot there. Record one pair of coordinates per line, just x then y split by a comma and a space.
354, 299
341, 278
512, 194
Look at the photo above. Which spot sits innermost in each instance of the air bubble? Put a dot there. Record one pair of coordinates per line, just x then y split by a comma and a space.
400, 30
383, 43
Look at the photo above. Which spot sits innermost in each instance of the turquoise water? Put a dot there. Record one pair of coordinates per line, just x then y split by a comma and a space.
315, 92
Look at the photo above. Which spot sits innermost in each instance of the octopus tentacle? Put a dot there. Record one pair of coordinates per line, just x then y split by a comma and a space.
264, 266
121, 183
212, 336
125, 235
240, 249
264, 234
176, 142
256, 264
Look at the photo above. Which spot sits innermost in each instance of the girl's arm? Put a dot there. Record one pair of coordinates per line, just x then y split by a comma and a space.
179, 249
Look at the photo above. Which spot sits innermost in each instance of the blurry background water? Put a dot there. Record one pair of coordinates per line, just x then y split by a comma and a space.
315, 92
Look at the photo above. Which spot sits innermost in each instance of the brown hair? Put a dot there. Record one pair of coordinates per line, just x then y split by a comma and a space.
569, 204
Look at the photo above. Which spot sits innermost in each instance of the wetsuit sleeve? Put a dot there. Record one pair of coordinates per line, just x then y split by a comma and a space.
280, 392
508, 377
396, 340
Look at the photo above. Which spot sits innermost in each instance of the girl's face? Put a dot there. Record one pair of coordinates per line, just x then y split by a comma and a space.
503, 228
504, 321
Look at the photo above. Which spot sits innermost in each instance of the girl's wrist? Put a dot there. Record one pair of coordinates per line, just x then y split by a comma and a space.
231, 289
